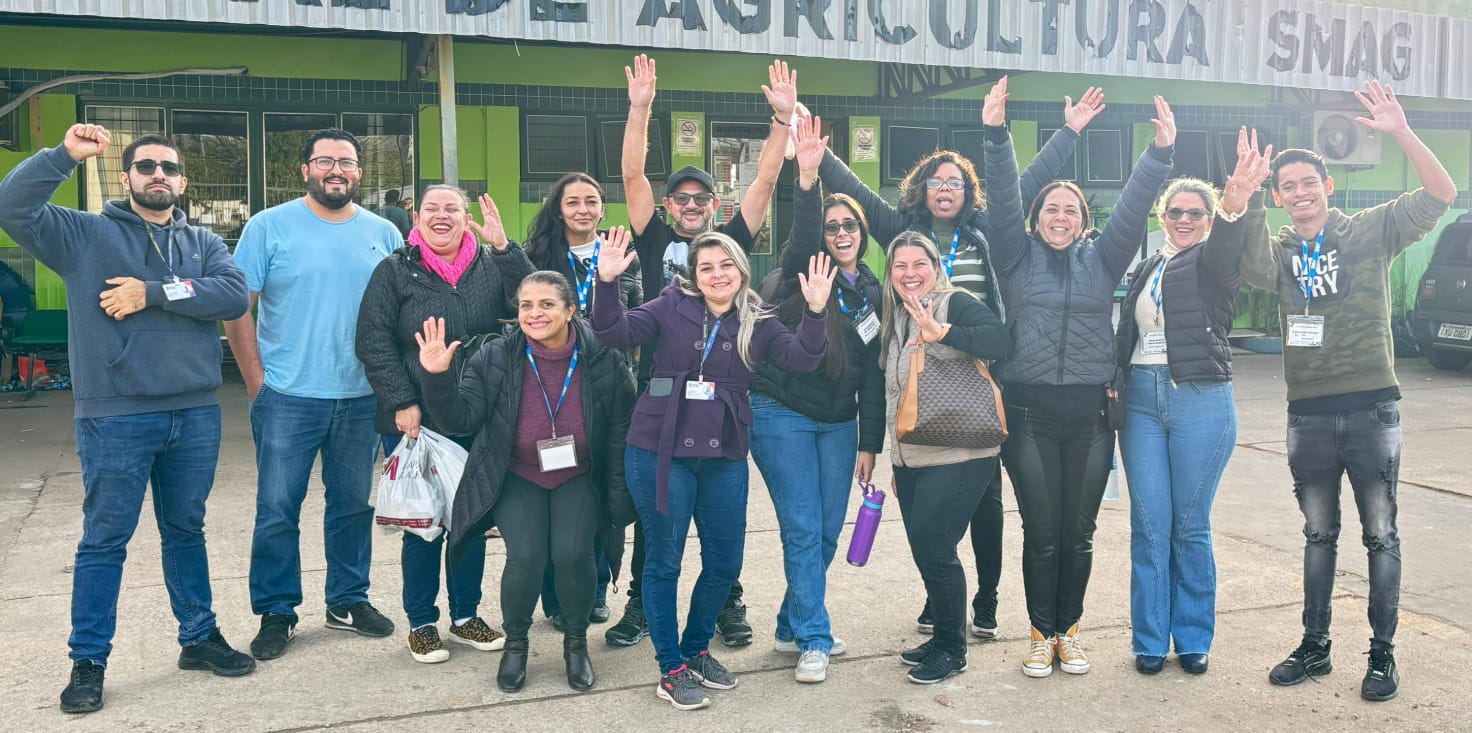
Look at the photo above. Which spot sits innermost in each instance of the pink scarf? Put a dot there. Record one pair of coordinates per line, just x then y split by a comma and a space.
450, 272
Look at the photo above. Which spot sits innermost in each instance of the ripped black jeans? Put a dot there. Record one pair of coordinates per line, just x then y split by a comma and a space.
1321, 449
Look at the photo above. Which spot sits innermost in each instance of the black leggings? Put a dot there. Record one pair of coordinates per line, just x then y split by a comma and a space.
539, 525
1059, 457
986, 543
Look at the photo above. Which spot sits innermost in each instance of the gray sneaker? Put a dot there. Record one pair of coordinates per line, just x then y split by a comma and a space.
812, 666
681, 690
710, 672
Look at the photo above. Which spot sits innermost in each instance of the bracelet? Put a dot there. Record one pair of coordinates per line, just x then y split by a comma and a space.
1230, 217
776, 121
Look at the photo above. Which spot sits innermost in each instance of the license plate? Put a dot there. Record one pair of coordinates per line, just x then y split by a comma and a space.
1455, 331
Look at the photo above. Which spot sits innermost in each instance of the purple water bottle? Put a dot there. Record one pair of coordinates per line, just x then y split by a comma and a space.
866, 525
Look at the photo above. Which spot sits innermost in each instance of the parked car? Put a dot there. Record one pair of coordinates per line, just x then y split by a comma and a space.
1443, 320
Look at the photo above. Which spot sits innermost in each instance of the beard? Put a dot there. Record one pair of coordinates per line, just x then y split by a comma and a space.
702, 228
317, 189
154, 200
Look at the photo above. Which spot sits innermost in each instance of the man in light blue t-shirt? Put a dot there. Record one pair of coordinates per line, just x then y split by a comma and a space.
306, 265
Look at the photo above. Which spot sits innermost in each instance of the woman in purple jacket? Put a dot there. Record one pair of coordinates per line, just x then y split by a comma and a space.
687, 442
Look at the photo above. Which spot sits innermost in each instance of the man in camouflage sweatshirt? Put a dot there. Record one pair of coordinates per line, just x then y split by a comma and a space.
1331, 271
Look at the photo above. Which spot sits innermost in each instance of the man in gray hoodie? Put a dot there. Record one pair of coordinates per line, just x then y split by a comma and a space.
144, 291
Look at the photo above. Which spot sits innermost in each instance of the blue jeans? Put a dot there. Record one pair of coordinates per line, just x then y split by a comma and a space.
177, 451
809, 470
1321, 449
712, 491
289, 433
1175, 443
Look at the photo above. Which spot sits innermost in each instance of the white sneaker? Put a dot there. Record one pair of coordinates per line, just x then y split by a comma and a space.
789, 646
812, 666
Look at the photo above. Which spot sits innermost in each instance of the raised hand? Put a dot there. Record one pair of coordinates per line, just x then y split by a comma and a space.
434, 356
1165, 124
1252, 169
641, 81
781, 90
931, 330
817, 282
615, 255
1078, 116
807, 134
1386, 114
994, 107
492, 231
86, 141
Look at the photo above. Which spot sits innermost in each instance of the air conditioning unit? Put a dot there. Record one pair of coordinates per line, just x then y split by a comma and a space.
1342, 141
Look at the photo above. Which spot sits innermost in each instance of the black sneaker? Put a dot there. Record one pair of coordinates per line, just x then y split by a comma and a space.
216, 654
599, 614
984, 616
1310, 659
710, 673
925, 622
276, 632
913, 657
559, 623
937, 666
1382, 682
361, 618
735, 631
83, 694
631, 628
680, 689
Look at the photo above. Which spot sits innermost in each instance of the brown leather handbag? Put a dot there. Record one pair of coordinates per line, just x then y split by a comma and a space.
950, 403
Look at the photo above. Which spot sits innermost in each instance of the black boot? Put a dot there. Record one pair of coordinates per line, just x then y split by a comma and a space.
580, 674
512, 674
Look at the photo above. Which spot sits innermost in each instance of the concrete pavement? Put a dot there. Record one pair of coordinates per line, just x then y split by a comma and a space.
330, 679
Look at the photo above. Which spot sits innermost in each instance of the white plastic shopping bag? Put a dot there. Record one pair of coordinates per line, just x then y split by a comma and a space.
407, 500
444, 465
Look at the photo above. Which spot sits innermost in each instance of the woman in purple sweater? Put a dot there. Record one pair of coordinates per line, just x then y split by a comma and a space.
687, 441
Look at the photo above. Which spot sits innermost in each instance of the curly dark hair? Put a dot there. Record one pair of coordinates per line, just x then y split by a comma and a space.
912, 189
546, 238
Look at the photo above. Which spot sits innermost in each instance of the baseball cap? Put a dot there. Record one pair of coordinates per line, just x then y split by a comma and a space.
689, 173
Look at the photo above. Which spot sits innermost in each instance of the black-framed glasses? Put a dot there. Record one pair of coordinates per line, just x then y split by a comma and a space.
325, 163
700, 199
147, 167
1190, 215
955, 184
848, 225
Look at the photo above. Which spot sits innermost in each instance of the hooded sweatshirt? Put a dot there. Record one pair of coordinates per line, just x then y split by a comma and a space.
164, 357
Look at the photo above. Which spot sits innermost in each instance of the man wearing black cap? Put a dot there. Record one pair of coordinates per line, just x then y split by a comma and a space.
690, 199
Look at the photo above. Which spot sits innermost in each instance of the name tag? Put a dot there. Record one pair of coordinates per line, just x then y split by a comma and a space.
868, 327
1305, 331
1152, 343
181, 290
555, 454
700, 390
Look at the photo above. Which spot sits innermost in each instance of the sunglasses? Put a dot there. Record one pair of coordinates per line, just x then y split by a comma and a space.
1191, 215
955, 184
324, 163
700, 199
147, 167
848, 225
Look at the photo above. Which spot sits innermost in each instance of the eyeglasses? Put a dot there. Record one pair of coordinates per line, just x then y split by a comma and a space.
700, 199
848, 225
147, 167
955, 184
324, 163
1191, 215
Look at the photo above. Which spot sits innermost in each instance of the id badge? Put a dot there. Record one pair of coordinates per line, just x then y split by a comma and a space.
700, 390
868, 327
180, 290
1152, 343
1306, 331
555, 454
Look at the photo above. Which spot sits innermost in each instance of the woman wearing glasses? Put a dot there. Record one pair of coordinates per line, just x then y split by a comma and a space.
1180, 422
941, 197
1058, 279
804, 435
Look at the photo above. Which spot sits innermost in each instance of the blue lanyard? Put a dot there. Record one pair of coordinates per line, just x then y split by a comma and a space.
566, 382
843, 307
1156, 293
955, 244
587, 284
710, 342
1310, 272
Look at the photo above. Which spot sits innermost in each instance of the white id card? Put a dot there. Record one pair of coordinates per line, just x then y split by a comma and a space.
556, 454
1152, 343
868, 327
181, 290
700, 390
1306, 331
